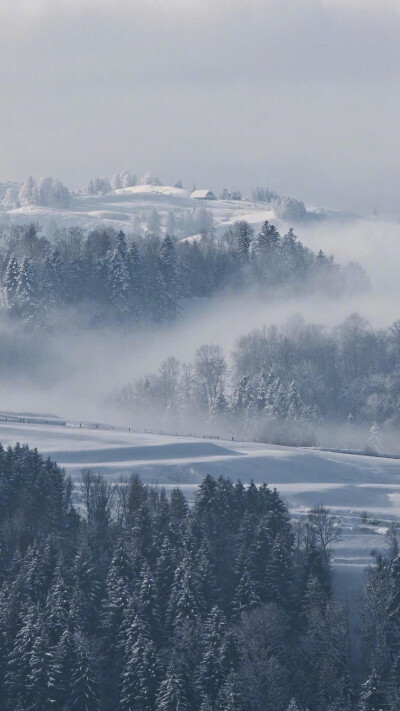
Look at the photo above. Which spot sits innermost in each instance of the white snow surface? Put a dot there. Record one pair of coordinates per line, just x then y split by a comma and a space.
348, 484
120, 207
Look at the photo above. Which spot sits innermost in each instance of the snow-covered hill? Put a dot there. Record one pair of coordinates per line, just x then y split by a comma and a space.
348, 484
119, 208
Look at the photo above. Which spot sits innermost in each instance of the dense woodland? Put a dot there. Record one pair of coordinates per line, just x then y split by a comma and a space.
145, 279
129, 599
281, 385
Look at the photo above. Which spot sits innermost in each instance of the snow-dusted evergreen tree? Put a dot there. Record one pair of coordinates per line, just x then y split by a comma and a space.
11, 286
265, 254
210, 676
119, 285
147, 602
39, 689
84, 683
27, 294
280, 575
171, 695
168, 268
61, 669
244, 235
140, 675
58, 604
86, 590
18, 663
230, 697
280, 401
246, 595
53, 280
295, 405
136, 282
243, 394
186, 601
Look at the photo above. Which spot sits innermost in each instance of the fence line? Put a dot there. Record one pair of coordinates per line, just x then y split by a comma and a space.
118, 428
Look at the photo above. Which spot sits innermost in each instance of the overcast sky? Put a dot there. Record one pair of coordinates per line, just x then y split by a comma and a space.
299, 95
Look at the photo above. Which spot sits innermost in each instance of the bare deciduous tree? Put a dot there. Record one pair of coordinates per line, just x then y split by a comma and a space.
210, 369
325, 526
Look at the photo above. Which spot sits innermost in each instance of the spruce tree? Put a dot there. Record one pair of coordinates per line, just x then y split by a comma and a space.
230, 697
171, 695
27, 294
169, 273
84, 684
210, 676
11, 286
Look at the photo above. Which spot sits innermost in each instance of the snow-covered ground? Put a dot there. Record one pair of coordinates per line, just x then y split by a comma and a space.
119, 208
348, 484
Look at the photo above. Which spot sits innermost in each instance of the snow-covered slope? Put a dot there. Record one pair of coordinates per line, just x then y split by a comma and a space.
348, 484
120, 207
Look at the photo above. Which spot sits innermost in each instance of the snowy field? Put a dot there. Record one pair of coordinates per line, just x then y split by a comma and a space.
348, 484
119, 208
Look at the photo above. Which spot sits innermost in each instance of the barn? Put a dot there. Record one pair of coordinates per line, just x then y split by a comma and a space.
203, 195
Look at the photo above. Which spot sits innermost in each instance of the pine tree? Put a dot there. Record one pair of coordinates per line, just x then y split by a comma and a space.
279, 574
164, 575
84, 685
118, 285
38, 682
136, 282
147, 602
27, 292
210, 676
229, 697
139, 674
18, 665
57, 605
61, 669
169, 273
246, 595
87, 590
244, 234
294, 403
122, 247
171, 695
185, 602
11, 286
112, 617
53, 280
265, 254
149, 677
243, 394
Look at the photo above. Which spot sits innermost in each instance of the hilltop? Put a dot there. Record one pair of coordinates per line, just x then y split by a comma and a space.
124, 208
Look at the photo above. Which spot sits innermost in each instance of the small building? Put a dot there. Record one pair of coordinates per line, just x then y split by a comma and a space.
203, 195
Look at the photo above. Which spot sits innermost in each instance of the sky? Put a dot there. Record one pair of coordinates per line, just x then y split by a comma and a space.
298, 95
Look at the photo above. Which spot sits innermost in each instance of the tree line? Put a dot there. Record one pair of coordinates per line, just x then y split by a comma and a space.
280, 385
135, 281
129, 599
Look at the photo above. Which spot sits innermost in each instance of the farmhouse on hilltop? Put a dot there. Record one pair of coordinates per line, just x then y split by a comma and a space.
203, 195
